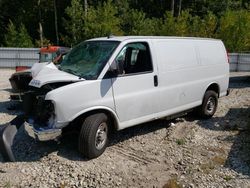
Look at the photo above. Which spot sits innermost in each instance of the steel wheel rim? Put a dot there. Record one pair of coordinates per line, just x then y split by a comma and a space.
211, 105
101, 136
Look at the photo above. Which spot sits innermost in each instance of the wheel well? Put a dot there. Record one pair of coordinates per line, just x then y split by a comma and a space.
76, 123
214, 87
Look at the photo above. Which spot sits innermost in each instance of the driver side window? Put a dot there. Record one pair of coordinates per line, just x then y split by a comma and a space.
134, 58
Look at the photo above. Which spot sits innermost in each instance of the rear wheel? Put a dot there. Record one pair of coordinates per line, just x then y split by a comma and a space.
93, 138
209, 104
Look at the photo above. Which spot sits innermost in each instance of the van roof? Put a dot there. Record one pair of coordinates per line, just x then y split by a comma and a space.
123, 38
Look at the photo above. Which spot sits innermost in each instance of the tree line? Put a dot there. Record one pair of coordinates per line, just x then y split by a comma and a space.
36, 23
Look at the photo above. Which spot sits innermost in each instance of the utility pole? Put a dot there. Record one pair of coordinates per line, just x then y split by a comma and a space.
56, 25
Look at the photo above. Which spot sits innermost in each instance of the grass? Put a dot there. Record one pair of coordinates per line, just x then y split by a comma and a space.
172, 183
7, 185
227, 178
217, 150
207, 167
63, 185
215, 161
219, 160
180, 141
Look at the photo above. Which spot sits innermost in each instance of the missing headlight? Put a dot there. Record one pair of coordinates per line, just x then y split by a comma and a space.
44, 111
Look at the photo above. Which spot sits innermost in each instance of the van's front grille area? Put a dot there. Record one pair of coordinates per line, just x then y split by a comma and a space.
38, 109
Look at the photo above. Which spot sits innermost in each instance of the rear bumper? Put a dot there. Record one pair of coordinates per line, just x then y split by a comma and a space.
42, 134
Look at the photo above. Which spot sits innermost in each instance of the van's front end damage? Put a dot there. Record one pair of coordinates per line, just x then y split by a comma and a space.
56, 95
39, 122
41, 119
42, 134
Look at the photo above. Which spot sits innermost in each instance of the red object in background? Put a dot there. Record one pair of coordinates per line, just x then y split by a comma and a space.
49, 49
21, 68
56, 53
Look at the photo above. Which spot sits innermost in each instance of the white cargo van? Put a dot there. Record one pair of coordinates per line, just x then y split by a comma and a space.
118, 82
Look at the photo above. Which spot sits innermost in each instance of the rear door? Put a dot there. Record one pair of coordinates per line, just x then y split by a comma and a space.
135, 88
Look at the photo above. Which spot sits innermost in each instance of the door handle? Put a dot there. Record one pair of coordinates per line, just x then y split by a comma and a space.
155, 80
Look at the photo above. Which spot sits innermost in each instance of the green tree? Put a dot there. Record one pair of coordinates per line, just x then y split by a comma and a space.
176, 26
195, 26
168, 24
235, 30
92, 18
182, 23
23, 38
136, 23
75, 24
205, 27
102, 21
10, 39
17, 38
208, 26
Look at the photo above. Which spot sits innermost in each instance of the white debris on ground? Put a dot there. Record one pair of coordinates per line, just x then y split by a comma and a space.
185, 152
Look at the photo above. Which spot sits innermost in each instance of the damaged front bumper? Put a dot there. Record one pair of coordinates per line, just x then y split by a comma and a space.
9, 130
42, 134
7, 135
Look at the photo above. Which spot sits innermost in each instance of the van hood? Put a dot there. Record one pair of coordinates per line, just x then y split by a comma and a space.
50, 74
37, 67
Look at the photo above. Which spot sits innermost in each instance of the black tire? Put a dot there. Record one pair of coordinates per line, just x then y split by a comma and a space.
91, 144
209, 104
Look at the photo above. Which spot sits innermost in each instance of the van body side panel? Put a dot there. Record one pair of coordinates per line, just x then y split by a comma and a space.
186, 69
180, 85
215, 66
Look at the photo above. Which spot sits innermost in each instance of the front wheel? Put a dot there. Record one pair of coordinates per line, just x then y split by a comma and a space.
209, 104
93, 138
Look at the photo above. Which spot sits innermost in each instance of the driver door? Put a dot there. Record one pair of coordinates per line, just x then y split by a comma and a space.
135, 88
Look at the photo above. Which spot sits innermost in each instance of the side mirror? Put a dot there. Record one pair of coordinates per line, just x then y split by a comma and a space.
113, 71
116, 68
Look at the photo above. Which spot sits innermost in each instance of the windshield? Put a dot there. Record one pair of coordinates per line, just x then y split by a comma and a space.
47, 57
87, 59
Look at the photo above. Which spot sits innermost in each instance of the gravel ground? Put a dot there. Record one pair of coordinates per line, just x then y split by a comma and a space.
185, 152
